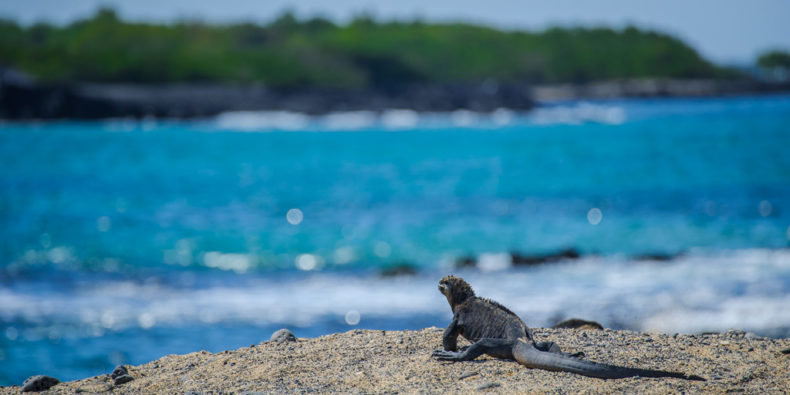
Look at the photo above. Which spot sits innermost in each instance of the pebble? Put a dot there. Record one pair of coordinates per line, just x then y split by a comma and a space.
486, 386
467, 375
283, 335
120, 375
119, 370
39, 383
123, 379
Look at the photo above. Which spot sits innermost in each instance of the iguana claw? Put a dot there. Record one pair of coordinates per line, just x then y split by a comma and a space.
443, 355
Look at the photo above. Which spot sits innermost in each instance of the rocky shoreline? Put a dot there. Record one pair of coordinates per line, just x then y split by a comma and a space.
22, 98
374, 361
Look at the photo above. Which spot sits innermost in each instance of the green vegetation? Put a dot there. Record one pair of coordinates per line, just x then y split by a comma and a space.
365, 53
774, 60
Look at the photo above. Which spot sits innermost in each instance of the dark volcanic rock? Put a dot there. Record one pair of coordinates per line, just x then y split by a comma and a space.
119, 370
39, 383
401, 269
568, 254
658, 257
653, 87
22, 98
124, 378
577, 323
466, 261
121, 375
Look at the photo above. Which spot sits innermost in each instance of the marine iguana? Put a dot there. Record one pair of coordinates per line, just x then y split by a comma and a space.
495, 330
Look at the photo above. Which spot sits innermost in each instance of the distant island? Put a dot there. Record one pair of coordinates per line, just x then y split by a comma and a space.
104, 66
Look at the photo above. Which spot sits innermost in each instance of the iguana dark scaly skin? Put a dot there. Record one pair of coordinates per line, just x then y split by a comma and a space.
500, 333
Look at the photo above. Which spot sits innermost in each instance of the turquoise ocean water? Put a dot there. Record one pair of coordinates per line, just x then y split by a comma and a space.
122, 241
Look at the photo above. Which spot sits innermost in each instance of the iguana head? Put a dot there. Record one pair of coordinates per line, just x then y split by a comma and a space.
455, 289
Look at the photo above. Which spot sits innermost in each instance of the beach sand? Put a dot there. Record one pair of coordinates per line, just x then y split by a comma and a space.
374, 361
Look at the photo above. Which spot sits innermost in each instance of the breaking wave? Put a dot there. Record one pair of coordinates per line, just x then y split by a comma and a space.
747, 289
405, 119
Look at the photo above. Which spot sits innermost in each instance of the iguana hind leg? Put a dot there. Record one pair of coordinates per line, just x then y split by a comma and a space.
500, 348
553, 347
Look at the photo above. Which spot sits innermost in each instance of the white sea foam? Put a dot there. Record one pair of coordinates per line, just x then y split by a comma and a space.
400, 119
578, 113
352, 120
299, 301
502, 116
489, 262
747, 289
405, 119
262, 120
464, 118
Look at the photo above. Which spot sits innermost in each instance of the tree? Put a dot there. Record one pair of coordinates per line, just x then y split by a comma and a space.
776, 64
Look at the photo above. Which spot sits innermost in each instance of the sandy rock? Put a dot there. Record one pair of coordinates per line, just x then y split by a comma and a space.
370, 361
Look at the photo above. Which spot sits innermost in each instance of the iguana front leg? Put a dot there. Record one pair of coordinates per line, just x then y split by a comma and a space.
450, 336
499, 348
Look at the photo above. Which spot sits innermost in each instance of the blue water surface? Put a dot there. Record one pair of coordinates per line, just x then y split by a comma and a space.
122, 241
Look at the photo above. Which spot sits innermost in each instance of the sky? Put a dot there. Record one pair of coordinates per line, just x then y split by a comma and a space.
725, 31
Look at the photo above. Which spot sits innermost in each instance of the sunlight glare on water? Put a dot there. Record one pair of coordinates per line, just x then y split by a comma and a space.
352, 317
594, 216
307, 262
294, 216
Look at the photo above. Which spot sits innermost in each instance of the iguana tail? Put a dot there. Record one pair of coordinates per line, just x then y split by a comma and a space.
526, 354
